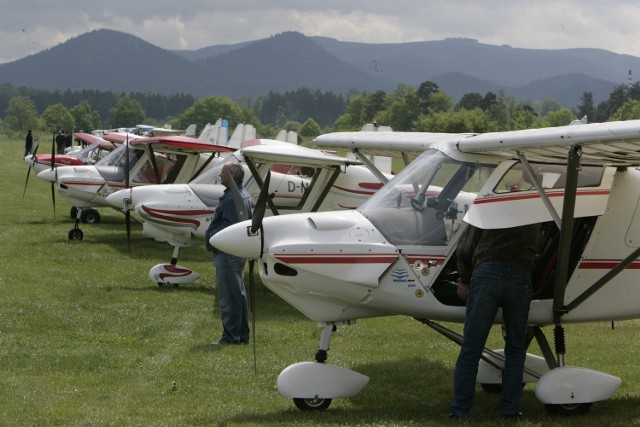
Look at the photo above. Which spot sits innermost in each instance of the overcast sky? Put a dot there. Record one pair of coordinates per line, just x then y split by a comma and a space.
30, 26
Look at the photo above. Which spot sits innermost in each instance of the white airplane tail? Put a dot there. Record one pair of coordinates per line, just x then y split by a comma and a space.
191, 131
287, 136
216, 133
243, 132
373, 127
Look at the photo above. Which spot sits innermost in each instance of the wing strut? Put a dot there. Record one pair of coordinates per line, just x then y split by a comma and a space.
203, 167
256, 176
566, 231
538, 185
564, 249
326, 189
374, 170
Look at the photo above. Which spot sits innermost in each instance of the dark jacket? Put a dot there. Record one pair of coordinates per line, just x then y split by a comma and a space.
516, 246
225, 214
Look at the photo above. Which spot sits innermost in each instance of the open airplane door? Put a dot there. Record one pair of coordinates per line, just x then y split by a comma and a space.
510, 199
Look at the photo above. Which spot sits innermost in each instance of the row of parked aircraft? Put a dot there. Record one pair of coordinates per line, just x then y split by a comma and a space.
358, 242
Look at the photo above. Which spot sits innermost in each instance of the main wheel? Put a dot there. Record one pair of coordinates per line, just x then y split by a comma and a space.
311, 404
90, 216
73, 212
571, 409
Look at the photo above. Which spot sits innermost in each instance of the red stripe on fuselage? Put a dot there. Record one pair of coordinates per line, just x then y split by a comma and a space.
337, 258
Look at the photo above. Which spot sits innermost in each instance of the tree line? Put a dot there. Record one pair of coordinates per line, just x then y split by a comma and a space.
308, 111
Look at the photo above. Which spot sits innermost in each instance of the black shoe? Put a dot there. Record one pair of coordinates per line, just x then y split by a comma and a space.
221, 341
515, 416
458, 417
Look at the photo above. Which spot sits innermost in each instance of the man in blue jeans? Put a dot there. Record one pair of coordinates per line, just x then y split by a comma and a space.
232, 295
496, 267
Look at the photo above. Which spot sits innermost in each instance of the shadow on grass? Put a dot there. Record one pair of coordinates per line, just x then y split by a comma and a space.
417, 391
167, 289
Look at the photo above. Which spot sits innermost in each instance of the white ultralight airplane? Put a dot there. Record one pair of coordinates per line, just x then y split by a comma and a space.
394, 255
302, 180
139, 161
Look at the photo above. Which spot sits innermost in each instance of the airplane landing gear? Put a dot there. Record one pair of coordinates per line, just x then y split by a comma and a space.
312, 404
90, 216
568, 409
85, 215
172, 274
313, 385
76, 234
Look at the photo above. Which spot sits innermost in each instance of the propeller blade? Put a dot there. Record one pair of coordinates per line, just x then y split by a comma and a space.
252, 300
127, 219
26, 181
53, 193
33, 159
127, 212
238, 201
261, 205
53, 162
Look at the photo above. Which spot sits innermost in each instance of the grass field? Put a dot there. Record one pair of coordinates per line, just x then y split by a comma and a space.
86, 339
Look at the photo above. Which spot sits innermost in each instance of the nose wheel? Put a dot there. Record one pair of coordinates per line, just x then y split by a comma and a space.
76, 234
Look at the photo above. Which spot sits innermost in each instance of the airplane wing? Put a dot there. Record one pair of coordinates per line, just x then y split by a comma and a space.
610, 143
119, 137
157, 131
93, 139
180, 143
278, 151
386, 143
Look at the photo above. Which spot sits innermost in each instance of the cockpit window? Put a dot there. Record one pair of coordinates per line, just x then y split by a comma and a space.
425, 203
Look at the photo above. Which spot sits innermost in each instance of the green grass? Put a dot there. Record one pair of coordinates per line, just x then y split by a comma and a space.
86, 339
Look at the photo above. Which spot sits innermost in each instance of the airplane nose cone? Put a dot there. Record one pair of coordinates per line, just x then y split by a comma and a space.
237, 240
116, 199
29, 159
48, 175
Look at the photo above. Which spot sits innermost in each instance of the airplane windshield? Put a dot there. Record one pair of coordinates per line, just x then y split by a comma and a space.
113, 158
424, 204
212, 174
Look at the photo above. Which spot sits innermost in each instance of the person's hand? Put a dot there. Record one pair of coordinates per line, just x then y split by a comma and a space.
463, 290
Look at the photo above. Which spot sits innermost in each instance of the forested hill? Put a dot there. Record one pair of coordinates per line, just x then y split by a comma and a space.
115, 61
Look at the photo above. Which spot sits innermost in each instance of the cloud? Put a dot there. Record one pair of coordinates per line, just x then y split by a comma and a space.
192, 24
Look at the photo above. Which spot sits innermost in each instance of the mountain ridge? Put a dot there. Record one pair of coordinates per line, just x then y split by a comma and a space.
112, 60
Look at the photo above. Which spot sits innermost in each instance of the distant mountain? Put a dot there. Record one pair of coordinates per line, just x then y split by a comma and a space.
282, 63
105, 60
112, 60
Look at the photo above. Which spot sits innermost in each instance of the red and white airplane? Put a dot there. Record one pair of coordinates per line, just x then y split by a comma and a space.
394, 255
96, 148
302, 180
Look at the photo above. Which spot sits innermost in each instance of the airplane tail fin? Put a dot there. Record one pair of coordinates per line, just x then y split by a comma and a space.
287, 136
191, 131
243, 132
216, 133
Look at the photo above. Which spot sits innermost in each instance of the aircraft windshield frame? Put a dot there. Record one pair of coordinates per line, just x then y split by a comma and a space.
424, 204
212, 174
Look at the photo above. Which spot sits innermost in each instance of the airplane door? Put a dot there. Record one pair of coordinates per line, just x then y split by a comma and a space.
508, 199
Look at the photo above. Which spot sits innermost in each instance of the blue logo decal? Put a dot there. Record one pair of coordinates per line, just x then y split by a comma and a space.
399, 275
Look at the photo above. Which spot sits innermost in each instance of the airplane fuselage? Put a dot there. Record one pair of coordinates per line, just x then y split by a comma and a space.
395, 254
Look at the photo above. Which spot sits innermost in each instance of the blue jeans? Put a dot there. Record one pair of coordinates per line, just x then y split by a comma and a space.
494, 285
232, 298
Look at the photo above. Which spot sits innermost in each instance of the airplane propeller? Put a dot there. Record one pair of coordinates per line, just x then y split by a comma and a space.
256, 224
33, 158
127, 202
55, 181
